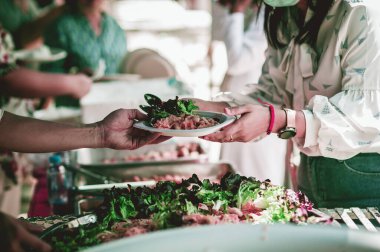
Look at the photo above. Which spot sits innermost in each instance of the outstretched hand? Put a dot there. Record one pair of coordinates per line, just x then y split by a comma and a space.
118, 132
252, 124
17, 236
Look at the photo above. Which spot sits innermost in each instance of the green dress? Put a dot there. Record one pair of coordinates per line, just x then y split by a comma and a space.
73, 33
12, 17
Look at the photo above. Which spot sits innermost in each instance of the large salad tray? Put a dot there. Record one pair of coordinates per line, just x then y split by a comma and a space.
128, 211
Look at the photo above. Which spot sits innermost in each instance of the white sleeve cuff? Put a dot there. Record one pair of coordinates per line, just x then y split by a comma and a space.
311, 131
1, 113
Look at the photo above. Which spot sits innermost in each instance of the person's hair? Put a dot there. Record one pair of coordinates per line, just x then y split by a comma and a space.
277, 19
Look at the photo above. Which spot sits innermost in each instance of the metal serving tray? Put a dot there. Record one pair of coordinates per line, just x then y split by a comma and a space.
127, 173
96, 157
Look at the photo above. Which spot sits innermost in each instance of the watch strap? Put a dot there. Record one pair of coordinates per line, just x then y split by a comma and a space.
290, 118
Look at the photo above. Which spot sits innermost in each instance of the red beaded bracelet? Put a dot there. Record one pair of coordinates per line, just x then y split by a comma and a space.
272, 115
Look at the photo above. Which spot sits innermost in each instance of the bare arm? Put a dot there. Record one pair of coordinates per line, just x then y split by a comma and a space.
23, 134
26, 83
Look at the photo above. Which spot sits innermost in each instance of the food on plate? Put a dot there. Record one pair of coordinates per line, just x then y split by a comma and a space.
184, 150
184, 122
174, 114
236, 199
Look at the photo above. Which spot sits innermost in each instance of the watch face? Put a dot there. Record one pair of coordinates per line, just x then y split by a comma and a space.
287, 133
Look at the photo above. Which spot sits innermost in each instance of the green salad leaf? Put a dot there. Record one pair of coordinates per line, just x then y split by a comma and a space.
168, 202
159, 109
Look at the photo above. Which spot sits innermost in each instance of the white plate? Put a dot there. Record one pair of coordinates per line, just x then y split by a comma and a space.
224, 120
248, 238
40, 55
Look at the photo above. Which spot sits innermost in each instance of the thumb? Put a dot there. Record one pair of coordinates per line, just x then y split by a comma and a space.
239, 110
135, 114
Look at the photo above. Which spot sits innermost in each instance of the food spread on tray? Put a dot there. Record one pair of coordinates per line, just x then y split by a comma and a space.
175, 114
183, 150
168, 177
236, 199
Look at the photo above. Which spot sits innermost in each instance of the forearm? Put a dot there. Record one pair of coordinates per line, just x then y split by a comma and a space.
22, 134
25, 83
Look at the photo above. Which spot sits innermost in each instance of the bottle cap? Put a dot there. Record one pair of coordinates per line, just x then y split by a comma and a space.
56, 159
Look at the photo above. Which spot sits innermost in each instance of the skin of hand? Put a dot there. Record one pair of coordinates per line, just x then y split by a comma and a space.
18, 235
80, 85
256, 116
25, 83
253, 123
117, 131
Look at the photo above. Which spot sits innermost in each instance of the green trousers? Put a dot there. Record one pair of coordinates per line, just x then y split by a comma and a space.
331, 183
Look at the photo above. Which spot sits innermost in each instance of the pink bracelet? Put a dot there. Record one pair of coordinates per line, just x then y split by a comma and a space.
272, 115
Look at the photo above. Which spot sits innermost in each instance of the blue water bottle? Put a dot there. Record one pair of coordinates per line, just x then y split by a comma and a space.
59, 184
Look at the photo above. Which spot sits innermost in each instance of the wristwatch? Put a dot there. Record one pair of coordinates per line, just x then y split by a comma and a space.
290, 130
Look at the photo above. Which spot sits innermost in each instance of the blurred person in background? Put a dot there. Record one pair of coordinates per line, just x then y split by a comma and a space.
240, 25
20, 82
27, 21
88, 35
92, 39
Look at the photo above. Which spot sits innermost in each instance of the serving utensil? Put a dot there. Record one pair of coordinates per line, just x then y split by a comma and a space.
75, 223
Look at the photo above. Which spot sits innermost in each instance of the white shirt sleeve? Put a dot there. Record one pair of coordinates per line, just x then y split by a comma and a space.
348, 123
1, 113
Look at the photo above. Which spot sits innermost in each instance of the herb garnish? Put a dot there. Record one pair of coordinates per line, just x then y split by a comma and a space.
159, 109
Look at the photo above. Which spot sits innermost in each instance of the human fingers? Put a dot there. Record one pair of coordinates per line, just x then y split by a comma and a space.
81, 85
160, 139
31, 227
31, 241
239, 110
227, 134
136, 114
122, 119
